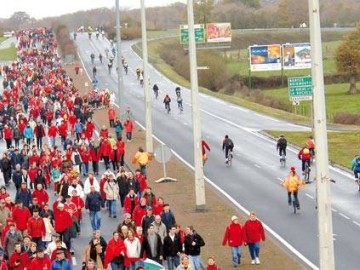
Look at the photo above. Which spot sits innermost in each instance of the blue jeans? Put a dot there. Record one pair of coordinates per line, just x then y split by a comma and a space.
85, 167
173, 262
115, 266
254, 249
195, 262
52, 142
236, 255
95, 220
133, 266
112, 207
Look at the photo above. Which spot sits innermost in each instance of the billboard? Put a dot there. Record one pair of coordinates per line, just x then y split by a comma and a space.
296, 56
199, 30
265, 57
218, 32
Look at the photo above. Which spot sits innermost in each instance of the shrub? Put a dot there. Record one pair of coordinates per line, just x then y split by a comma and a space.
347, 118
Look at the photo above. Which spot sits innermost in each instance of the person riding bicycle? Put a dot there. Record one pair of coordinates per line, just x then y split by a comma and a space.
179, 102
292, 183
311, 145
156, 90
281, 146
167, 101
228, 146
178, 91
125, 65
355, 167
305, 156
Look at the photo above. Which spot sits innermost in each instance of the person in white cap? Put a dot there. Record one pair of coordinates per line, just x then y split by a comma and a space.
234, 237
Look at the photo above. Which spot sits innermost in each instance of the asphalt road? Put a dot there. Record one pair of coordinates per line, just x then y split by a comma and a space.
253, 180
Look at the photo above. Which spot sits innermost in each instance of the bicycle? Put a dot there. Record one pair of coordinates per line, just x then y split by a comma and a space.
283, 161
167, 108
307, 173
180, 105
229, 159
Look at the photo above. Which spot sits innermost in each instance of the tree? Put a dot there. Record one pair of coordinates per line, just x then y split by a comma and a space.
202, 11
347, 57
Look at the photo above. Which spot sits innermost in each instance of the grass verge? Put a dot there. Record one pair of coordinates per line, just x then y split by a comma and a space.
343, 146
8, 54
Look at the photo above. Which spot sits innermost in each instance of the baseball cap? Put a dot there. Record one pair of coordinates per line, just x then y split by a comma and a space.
234, 218
292, 169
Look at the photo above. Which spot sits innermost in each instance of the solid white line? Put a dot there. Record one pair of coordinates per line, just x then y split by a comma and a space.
257, 166
267, 117
239, 108
334, 210
310, 196
243, 209
344, 216
356, 223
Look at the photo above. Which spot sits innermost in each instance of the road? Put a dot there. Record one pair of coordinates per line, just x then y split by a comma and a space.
253, 180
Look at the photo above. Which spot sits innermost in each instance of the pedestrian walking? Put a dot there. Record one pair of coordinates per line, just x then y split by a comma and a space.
93, 205
193, 244
234, 237
253, 235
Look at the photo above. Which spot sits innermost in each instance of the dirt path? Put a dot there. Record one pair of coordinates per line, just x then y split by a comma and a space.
181, 197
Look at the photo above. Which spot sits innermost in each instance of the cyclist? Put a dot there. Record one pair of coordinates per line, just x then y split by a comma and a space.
281, 146
355, 167
311, 145
110, 64
204, 147
227, 145
100, 57
179, 102
167, 101
126, 67
156, 90
92, 56
178, 91
138, 72
305, 156
292, 183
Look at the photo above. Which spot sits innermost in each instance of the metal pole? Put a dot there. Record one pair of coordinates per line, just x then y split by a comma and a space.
325, 228
163, 160
120, 81
199, 173
148, 125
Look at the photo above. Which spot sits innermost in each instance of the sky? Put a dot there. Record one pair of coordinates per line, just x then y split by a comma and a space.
48, 8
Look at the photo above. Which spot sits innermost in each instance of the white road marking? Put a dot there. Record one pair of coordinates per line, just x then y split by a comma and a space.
344, 216
356, 223
334, 210
257, 166
239, 108
310, 196
267, 117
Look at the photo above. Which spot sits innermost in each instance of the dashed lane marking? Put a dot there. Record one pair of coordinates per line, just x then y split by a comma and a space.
310, 196
257, 166
356, 223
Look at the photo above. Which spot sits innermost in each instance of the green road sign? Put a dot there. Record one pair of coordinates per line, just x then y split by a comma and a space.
199, 33
300, 88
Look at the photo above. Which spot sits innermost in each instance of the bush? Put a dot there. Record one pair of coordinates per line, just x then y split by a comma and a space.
347, 118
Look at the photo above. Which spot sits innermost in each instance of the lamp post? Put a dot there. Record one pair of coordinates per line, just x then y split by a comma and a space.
325, 227
199, 173
148, 125
120, 81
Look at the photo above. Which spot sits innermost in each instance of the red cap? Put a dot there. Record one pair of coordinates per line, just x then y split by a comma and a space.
292, 169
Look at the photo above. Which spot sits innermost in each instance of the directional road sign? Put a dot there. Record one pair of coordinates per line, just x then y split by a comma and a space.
199, 33
300, 88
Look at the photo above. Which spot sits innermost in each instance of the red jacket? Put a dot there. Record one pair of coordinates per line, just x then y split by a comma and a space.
138, 213
142, 182
212, 267
90, 127
36, 227
127, 203
113, 249
36, 130
105, 148
32, 173
115, 154
101, 185
34, 158
158, 208
63, 221
253, 231
63, 129
21, 257
111, 113
104, 133
39, 264
52, 131
21, 216
7, 133
120, 146
304, 154
129, 126
233, 235
79, 203
85, 156
95, 154
42, 196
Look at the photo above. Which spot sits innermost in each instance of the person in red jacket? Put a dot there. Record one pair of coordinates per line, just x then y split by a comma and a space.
211, 264
95, 156
234, 237
85, 158
8, 134
253, 233
20, 215
41, 194
79, 203
130, 201
121, 150
115, 252
105, 150
142, 183
129, 127
63, 221
39, 133
305, 156
62, 129
17, 260
41, 261
139, 211
104, 133
204, 147
111, 115
52, 132
72, 122
36, 227
90, 128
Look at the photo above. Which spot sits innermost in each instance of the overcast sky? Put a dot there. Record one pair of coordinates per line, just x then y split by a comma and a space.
47, 8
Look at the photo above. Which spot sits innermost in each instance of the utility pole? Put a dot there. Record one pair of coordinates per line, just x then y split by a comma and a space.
199, 173
325, 228
148, 124
120, 81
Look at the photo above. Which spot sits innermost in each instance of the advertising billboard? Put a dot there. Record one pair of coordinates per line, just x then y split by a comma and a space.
199, 30
296, 56
265, 57
218, 32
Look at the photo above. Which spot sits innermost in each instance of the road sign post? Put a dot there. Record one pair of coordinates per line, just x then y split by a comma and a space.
163, 154
300, 88
199, 33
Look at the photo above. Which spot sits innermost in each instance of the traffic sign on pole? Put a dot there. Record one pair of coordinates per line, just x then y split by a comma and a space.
199, 33
300, 88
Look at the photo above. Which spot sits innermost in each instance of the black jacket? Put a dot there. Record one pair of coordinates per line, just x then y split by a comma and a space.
189, 248
145, 247
171, 248
94, 202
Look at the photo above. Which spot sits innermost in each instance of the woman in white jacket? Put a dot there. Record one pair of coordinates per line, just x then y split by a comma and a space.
49, 230
133, 248
111, 188
91, 181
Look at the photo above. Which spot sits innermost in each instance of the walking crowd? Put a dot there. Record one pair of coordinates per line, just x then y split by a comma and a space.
53, 152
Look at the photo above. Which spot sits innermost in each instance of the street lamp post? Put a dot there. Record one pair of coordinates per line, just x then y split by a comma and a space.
325, 228
148, 125
120, 81
199, 173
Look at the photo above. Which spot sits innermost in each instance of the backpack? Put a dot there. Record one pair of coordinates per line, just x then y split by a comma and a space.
231, 143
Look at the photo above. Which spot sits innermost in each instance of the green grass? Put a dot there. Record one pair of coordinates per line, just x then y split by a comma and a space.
343, 146
8, 54
160, 33
2, 39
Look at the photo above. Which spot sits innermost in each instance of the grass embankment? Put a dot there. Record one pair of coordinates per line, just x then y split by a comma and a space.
8, 54
343, 146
